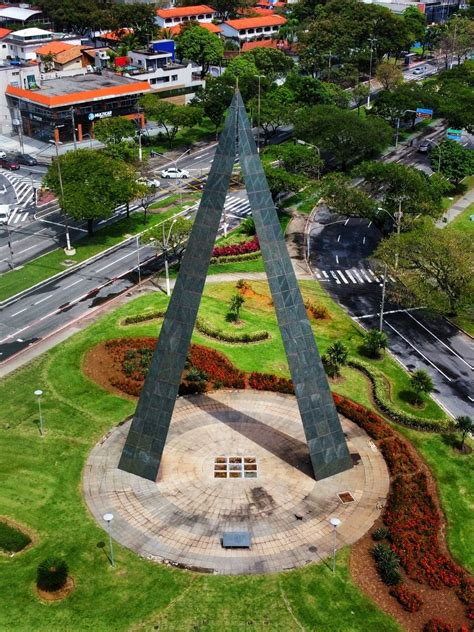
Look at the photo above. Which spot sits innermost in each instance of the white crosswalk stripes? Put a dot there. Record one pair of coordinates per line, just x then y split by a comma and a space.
22, 187
357, 276
17, 216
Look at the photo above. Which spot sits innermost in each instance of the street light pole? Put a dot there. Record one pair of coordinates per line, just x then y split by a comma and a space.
138, 260
258, 110
69, 249
108, 517
398, 126
38, 394
165, 249
372, 40
335, 523
303, 142
73, 121
382, 304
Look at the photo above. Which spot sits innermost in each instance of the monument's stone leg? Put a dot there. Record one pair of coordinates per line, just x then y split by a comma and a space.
146, 439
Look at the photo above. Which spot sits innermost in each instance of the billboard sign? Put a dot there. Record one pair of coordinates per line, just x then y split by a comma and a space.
423, 113
454, 134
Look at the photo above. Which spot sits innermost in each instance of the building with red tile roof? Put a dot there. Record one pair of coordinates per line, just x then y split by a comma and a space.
170, 17
252, 28
209, 26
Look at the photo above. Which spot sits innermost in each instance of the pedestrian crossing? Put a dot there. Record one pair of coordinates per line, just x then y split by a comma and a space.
17, 216
356, 276
234, 208
22, 187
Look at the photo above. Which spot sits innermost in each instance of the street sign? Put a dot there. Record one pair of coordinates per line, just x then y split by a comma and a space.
454, 134
423, 113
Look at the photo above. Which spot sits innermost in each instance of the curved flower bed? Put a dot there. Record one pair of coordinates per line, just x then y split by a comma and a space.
242, 248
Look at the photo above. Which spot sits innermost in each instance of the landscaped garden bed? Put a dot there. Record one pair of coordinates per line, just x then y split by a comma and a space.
13, 538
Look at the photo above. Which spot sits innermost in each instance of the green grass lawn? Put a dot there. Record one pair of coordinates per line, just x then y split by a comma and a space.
52, 263
463, 221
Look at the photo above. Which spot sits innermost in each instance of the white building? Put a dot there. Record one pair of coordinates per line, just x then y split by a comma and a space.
158, 68
22, 45
250, 29
25, 76
170, 17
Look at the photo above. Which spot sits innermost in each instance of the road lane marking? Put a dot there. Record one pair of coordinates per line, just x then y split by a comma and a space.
325, 274
363, 241
337, 259
20, 312
129, 254
364, 273
438, 339
356, 274
43, 299
342, 277
417, 350
335, 277
370, 224
350, 276
346, 222
25, 249
339, 238
75, 283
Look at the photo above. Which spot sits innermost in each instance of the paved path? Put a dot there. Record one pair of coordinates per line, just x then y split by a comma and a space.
456, 209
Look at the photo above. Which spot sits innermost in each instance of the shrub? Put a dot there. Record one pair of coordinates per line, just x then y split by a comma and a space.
375, 341
52, 574
248, 226
243, 248
380, 534
270, 382
366, 419
140, 318
383, 401
316, 311
388, 563
229, 336
399, 458
12, 540
410, 601
196, 375
217, 366
236, 258
438, 625
242, 284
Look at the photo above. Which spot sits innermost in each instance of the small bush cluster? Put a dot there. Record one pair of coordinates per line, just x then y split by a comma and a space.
140, 318
229, 336
380, 534
369, 421
236, 258
242, 248
410, 601
438, 625
383, 401
398, 456
270, 382
387, 563
12, 540
216, 366
319, 312
52, 575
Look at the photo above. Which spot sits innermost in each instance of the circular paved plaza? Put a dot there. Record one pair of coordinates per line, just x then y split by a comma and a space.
236, 461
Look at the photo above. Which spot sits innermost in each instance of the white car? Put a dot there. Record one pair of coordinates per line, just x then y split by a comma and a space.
3, 154
151, 182
174, 172
419, 71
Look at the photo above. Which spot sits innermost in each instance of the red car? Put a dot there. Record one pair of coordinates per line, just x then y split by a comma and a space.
6, 163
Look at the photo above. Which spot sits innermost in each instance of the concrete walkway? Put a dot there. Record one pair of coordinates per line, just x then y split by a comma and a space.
456, 209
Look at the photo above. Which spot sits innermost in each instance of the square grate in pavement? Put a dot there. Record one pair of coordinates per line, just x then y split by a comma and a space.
346, 497
235, 467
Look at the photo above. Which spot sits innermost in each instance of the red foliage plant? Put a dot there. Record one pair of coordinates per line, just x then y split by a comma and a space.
217, 366
270, 382
369, 421
398, 456
410, 601
242, 248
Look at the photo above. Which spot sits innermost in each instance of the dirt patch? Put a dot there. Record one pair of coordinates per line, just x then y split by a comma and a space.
21, 527
57, 595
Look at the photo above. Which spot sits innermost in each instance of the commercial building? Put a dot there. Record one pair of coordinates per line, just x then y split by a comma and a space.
170, 17
10, 15
25, 76
59, 105
436, 11
249, 29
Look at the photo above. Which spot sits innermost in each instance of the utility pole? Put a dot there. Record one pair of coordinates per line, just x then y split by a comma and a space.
372, 41
73, 121
382, 305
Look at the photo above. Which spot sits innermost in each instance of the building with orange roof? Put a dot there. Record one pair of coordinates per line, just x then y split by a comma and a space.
171, 17
267, 43
50, 111
252, 28
209, 26
59, 58
22, 45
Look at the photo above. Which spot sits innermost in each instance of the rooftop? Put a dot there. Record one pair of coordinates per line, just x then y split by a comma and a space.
53, 48
249, 23
4, 32
209, 26
80, 88
31, 32
15, 13
179, 12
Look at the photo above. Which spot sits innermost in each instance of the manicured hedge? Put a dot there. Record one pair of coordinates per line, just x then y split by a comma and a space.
140, 318
12, 540
236, 258
229, 336
382, 400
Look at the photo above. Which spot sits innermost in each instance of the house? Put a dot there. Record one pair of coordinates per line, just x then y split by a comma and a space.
178, 82
60, 58
267, 43
22, 44
166, 18
4, 45
249, 29
209, 26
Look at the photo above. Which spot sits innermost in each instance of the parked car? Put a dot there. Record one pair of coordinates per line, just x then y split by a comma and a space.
425, 146
151, 182
174, 172
4, 213
419, 70
7, 163
25, 159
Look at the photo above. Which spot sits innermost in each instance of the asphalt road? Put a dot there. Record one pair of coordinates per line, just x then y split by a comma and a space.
340, 251
59, 302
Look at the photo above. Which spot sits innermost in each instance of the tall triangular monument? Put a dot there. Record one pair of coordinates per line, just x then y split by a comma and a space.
147, 436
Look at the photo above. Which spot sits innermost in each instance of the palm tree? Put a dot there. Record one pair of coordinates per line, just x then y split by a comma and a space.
421, 382
375, 340
464, 424
335, 357
235, 304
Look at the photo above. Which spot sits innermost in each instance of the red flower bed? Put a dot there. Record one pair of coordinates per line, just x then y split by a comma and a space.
217, 367
366, 419
409, 600
438, 625
237, 249
270, 382
399, 458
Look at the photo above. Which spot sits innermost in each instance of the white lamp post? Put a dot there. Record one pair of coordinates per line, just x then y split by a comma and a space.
372, 40
258, 110
38, 394
335, 522
108, 517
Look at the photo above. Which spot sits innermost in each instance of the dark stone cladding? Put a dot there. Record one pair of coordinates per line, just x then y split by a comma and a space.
147, 436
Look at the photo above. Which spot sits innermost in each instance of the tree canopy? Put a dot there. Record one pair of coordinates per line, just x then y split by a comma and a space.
114, 130
170, 116
214, 99
455, 161
200, 46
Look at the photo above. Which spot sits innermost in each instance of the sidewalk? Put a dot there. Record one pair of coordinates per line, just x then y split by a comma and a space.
456, 209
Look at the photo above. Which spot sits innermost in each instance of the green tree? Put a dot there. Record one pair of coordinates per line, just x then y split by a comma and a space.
415, 21
310, 91
281, 181
169, 116
93, 184
200, 46
409, 95
397, 185
172, 236
421, 382
343, 198
455, 161
270, 62
389, 75
300, 159
434, 268
214, 99
360, 94
341, 133
464, 425
454, 92
334, 358
274, 112
114, 130
375, 341
235, 305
